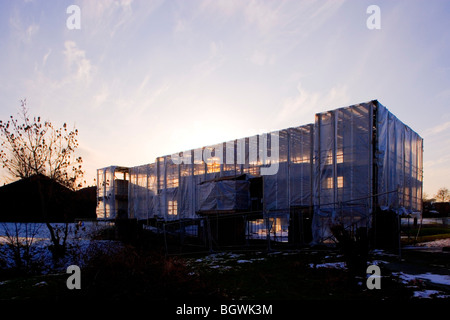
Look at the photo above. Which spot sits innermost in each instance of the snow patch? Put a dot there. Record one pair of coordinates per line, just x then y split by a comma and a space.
435, 243
40, 284
329, 265
435, 278
428, 294
415, 280
244, 261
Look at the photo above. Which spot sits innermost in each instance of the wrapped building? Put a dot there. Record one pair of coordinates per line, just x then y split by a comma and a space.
350, 167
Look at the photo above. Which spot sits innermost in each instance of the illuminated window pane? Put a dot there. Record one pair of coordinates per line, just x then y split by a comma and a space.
300, 159
329, 157
172, 182
253, 168
340, 182
214, 165
330, 183
199, 169
172, 207
340, 157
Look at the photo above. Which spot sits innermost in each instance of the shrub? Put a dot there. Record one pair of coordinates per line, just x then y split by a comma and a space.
354, 247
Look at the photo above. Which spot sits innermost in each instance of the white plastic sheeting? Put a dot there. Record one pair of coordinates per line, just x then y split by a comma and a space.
142, 191
112, 192
351, 161
364, 158
400, 164
224, 195
343, 153
174, 187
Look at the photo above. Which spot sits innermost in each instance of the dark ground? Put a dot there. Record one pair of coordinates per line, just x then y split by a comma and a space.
292, 280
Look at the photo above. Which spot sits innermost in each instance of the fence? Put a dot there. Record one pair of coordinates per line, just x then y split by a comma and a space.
279, 229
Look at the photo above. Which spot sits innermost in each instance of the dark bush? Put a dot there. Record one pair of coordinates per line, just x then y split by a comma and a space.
354, 247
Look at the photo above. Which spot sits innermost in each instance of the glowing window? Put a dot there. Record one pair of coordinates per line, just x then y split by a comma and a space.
172, 182
329, 183
300, 159
213, 165
339, 157
253, 170
340, 182
172, 207
329, 158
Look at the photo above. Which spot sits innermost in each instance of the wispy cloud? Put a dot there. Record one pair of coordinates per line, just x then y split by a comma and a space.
437, 129
23, 32
211, 63
45, 58
79, 66
261, 58
276, 16
107, 17
306, 103
262, 14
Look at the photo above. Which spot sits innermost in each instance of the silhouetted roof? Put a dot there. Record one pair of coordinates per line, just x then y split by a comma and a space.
39, 198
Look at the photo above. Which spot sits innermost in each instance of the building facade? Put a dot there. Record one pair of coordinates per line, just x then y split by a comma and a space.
350, 163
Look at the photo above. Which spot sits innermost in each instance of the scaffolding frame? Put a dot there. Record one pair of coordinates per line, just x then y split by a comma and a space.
333, 166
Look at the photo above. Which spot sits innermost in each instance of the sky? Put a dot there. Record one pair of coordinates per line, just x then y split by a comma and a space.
142, 79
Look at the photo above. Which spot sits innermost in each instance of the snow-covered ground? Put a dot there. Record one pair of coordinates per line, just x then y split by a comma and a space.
436, 243
418, 281
329, 265
35, 237
39, 231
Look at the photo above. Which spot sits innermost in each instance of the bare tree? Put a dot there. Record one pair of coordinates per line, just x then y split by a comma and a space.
32, 146
443, 195
19, 238
37, 147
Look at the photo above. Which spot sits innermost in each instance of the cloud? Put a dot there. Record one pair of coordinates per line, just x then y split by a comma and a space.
438, 129
262, 14
79, 66
306, 103
105, 17
101, 97
108, 17
180, 26
214, 60
147, 95
24, 34
225, 7
31, 31
276, 15
260, 58
45, 58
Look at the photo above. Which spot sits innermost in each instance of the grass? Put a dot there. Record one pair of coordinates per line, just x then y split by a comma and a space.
291, 277
426, 233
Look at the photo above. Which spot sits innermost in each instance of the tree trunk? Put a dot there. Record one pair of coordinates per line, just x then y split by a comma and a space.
57, 249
